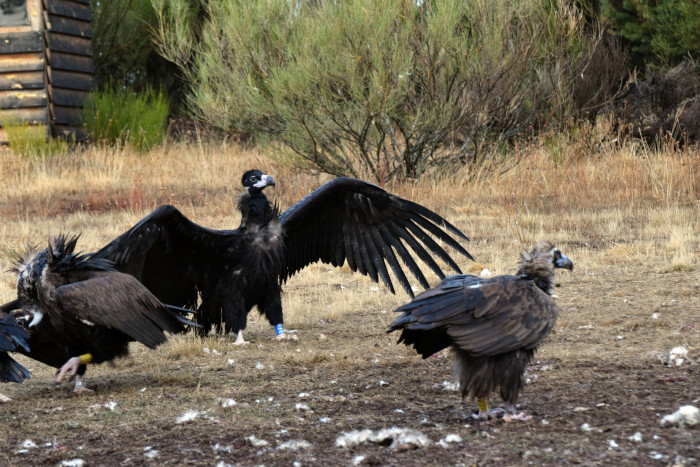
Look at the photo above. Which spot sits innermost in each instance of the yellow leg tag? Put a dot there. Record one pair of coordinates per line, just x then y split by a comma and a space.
85, 358
483, 404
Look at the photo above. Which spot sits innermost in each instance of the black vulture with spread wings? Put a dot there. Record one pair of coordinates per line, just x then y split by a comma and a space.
493, 325
77, 309
12, 337
231, 271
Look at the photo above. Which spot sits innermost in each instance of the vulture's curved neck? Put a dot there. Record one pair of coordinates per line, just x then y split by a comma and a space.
255, 210
537, 269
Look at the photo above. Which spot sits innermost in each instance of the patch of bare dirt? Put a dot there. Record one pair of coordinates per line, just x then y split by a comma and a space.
597, 393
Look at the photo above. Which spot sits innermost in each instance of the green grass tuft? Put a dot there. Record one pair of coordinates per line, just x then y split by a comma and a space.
31, 140
123, 117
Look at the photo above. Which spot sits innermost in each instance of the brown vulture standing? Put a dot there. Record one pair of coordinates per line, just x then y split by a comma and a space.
12, 337
78, 309
493, 325
234, 270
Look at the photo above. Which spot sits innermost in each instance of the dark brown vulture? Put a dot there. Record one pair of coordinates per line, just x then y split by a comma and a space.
78, 310
12, 337
232, 271
493, 325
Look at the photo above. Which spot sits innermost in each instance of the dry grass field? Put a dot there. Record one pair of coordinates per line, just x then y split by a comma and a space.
628, 217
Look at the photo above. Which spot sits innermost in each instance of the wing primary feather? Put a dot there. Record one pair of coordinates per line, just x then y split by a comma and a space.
403, 231
435, 217
434, 247
388, 254
356, 247
375, 263
395, 241
442, 235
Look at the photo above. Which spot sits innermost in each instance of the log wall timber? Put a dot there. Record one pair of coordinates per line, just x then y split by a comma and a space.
23, 94
46, 67
68, 43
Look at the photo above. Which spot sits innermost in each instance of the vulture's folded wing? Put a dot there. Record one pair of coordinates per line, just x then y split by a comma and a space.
482, 316
354, 221
118, 301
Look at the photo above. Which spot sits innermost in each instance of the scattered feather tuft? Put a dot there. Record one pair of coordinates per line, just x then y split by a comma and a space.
396, 438
450, 386
302, 408
222, 448
687, 415
352, 438
188, 416
226, 403
28, 443
73, 463
677, 356
257, 442
587, 427
636, 438
294, 445
449, 439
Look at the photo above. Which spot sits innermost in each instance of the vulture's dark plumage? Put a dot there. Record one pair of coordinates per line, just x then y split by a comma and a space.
234, 270
493, 325
12, 337
77, 309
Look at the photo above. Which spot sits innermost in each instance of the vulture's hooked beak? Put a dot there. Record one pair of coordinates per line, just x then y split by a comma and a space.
564, 262
265, 181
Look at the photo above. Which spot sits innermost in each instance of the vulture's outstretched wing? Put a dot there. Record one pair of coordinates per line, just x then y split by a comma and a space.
484, 317
170, 254
118, 301
12, 336
354, 221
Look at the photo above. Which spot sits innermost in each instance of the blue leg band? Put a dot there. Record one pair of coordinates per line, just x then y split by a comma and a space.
279, 329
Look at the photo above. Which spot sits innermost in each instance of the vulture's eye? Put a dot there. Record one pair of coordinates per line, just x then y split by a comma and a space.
253, 178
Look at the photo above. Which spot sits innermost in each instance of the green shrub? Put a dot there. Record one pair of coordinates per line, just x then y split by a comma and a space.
660, 32
121, 116
382, 89
32, 140
124, 52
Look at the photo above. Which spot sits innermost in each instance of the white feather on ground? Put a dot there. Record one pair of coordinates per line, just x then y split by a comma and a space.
294, 445
687, 415
677, 356
257, 442
400, 438
188, 416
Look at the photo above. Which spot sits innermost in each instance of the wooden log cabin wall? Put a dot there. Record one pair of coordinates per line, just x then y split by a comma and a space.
45, 64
